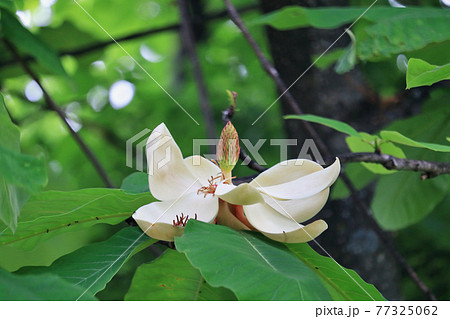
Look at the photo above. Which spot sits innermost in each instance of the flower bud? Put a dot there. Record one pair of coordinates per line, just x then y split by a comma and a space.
228, 148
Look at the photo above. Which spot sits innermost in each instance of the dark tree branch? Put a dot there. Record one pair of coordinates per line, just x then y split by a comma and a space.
52, 105
100, 45
273, 73
187, 37
429, 169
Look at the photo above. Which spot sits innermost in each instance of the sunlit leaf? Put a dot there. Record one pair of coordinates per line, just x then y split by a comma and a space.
93, 266
334, 124
399, 138
421, 73
172, 277
254, 268
27, 42
53, 212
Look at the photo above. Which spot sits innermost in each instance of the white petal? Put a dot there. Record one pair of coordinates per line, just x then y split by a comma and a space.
300, 210
302, 235
281, 228
243, 194
156, 219
202, 168
168, 175
286, 171
305, 186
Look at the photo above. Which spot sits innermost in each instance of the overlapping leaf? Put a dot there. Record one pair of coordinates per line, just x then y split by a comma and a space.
93, 266
343, 283
254, 268
421, 73
44, 287
52, 212
172, 277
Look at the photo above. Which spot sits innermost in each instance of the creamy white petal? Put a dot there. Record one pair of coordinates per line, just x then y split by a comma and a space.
243, 194
305, 186
202, 168
286, 171
152, 217
300, 210
281, 228
168, 175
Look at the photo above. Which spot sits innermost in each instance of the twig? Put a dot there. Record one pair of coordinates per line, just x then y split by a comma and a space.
100, 45
429, 169
52, 105
273, 73
189, 42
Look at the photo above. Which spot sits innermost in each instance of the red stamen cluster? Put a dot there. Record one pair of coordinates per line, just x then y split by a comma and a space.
182, 220
211, 188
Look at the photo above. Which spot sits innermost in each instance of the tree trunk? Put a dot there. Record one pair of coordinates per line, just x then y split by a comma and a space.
349, 239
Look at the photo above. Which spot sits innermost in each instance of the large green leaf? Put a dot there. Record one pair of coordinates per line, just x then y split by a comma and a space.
403, 199
422, 73
93, 266
399, 138
27, 42
254, 268
334, 124
53, 212
38, 287
343, 283
172, 277
381, 31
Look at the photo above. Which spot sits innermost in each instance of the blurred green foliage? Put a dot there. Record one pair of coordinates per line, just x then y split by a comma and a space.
78, 64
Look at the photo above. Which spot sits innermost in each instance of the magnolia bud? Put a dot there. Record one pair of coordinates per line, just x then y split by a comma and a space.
228, 148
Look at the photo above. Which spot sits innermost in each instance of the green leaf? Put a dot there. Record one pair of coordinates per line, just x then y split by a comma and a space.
22, 170
343, 283
334, 124
399, 138
254, 268
329, 58
380, 32
347, 60
38, 287
53, 212
172, 277
135, 183
93, 266
400, 202
27, 42
361, 145
403, 199
422, 73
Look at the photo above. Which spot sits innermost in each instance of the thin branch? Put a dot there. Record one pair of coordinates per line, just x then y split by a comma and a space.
100, 45
429, 169
52, 105
188, 40
273, 73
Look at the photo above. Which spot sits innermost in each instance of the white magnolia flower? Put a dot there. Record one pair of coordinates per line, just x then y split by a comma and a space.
274, 203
